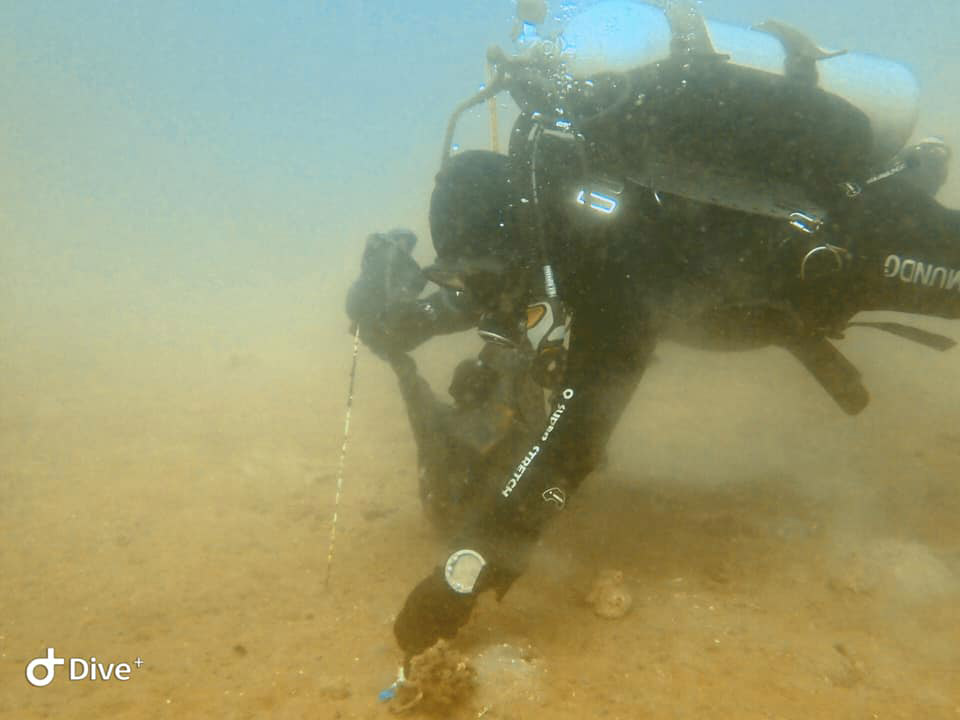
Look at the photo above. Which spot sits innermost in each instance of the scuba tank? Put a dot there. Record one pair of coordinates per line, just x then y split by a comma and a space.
619, 36
760, 120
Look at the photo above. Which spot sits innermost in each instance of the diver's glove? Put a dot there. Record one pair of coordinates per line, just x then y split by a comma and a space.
389, 278
432, 611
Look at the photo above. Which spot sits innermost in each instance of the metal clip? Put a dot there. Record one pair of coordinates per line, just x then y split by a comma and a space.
805, 222
562, 129
838, 254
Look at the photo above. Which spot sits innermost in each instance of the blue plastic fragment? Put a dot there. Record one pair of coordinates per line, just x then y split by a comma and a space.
388, 694
391, 692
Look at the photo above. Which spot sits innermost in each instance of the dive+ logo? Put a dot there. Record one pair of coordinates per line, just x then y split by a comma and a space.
79, 669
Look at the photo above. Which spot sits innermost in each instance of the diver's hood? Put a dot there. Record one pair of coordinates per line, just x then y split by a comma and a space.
471, 206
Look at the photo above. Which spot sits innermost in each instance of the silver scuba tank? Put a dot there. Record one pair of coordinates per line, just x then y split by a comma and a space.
617, 36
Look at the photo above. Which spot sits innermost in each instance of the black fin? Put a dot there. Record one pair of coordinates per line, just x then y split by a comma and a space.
929, 339
833, 371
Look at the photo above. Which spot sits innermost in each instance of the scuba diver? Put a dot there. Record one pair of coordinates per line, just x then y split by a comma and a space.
654, 189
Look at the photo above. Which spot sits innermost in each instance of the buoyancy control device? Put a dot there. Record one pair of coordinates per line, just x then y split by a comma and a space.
760, 120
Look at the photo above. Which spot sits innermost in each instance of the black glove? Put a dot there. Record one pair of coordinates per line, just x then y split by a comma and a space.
432, 611
389, 276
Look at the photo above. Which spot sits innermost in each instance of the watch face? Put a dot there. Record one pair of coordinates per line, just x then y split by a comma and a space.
462, 570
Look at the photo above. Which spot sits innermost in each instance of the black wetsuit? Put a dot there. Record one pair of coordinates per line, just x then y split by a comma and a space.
716, 278
668, 265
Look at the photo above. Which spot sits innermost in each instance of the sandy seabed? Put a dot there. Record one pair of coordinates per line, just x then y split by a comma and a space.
785, 561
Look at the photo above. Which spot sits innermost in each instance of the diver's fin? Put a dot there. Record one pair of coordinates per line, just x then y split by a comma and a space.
929, 339
833, 371
802, 53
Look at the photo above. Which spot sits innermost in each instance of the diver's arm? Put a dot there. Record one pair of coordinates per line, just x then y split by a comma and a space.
385, 304
442, 312
406, 324
608, 354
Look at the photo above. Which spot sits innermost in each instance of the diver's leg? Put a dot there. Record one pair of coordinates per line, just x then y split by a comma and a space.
906, 249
